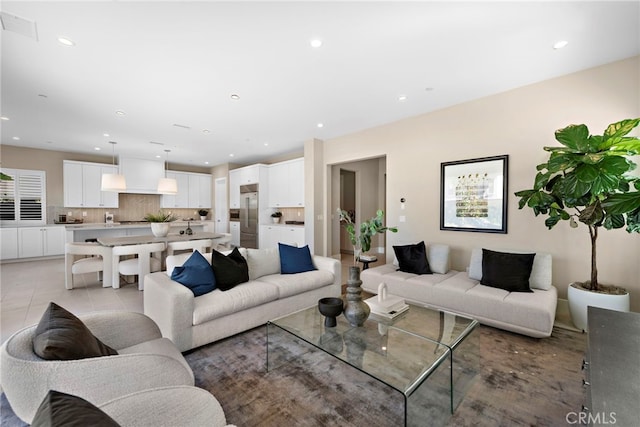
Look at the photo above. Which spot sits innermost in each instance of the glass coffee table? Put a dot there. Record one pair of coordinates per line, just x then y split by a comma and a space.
429, 356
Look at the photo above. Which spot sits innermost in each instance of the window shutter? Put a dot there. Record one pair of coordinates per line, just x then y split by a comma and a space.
24, 198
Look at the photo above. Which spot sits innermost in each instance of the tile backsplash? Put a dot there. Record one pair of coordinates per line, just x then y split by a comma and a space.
132, 207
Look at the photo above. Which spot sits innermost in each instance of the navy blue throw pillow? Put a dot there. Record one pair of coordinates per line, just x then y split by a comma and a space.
295, 260
195, 274
508, 271
230, 270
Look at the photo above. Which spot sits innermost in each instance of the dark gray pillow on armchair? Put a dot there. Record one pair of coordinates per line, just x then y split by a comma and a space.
66, 410
62, 336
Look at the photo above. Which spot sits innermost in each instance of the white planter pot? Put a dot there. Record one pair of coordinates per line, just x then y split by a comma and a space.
580, 299
160, 229
275, 219
203, 218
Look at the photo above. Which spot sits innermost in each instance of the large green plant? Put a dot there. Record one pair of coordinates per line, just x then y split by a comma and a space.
587, 179
368, 229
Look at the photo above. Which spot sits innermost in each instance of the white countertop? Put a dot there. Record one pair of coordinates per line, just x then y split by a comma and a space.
101, 226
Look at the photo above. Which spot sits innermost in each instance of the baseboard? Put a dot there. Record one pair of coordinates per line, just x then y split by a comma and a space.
563, 316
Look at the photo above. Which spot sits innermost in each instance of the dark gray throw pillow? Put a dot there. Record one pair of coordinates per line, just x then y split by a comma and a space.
66, 410
506, 270
229, 270
62, 336
413, 258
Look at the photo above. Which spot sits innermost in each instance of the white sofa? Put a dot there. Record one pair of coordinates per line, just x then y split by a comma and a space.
191, 321
526, 313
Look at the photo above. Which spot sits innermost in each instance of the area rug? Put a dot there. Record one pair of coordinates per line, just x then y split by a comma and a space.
522, 381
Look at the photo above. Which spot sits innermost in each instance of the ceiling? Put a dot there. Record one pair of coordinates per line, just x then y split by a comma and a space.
179, 63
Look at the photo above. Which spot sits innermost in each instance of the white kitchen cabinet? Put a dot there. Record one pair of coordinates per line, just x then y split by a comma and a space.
181, 198
199, 191
9, 243
286, 184
82, 184
254, 174
271, 235
234, 227
40, 241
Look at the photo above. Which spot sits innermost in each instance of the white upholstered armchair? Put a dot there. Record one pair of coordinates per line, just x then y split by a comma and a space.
145, 361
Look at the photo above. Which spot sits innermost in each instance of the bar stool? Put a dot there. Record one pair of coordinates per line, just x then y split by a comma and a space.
200, 245
140, 266
222, 243
98, 256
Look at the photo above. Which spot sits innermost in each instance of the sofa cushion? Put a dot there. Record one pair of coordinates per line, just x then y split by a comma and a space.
62, 336
437, 256
61, 409
263, 262
412, 258
540, 277
218, 304
196, 274
293, 284
295, 260
506, 271
229, 270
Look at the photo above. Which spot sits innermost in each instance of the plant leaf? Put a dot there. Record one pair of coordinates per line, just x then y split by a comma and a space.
622, 203
574, 137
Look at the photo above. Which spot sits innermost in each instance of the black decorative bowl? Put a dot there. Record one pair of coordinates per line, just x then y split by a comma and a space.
331, 308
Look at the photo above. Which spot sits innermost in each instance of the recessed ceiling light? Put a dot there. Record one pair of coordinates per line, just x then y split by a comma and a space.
120, 113
235, 97
320, 125
97, 148
4, 118
66, 41
206, 163
402, 98
315, 43
206, 131
231, 155
105, 134
560, 44
16, 138
158, 156
266, 144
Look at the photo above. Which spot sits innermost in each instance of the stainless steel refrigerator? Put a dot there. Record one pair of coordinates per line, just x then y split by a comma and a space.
249, 216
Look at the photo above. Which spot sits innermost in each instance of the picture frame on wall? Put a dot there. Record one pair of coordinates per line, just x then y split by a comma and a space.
473, 194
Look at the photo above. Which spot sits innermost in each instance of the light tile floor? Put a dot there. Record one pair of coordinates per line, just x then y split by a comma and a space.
26, 288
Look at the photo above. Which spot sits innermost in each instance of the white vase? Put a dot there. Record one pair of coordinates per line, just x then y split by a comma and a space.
580, 299
160, 229
275, 219
203, 218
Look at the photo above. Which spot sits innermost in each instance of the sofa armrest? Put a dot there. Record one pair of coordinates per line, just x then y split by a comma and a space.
329, 264
171, 306
121, 329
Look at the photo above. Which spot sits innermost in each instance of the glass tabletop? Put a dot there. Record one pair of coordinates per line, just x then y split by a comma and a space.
401, 352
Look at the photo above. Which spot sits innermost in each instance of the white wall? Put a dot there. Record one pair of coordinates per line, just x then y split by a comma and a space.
518, 123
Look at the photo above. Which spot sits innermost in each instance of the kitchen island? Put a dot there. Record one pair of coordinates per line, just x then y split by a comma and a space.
82, 232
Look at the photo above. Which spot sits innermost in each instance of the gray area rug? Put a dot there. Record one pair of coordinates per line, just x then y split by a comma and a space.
523, 381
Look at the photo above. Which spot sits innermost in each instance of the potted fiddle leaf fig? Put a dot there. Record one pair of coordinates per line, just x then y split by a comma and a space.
587, 181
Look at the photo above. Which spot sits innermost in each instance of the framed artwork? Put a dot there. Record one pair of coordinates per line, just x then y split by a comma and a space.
473, 195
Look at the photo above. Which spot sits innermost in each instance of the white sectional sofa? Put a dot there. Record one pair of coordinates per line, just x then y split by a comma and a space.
191, 321
526, 313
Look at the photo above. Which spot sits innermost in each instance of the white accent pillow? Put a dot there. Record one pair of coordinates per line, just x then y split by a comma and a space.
262, 262
540, 278
438, 257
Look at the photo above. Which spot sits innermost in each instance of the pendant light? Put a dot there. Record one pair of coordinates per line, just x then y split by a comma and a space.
113, 181
167, 185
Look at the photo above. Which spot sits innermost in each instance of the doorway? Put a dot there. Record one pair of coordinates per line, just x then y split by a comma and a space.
348, 203
221, 210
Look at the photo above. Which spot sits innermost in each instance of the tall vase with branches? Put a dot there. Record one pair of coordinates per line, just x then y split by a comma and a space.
356, 311
368, 229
